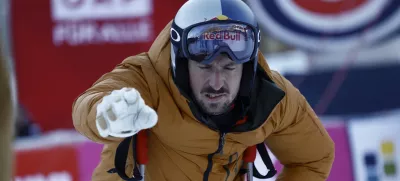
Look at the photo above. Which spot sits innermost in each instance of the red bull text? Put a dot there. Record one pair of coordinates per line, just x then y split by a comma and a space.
222, 35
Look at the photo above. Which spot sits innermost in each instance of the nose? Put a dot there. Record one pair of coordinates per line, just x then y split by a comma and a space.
216, 80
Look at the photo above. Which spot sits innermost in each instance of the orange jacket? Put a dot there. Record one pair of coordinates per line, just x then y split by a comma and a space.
179, 144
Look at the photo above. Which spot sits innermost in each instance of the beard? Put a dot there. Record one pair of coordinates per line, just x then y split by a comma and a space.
214, 108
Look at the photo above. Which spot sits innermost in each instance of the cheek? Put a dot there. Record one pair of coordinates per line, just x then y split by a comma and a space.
234, 80
196, 81
196, 84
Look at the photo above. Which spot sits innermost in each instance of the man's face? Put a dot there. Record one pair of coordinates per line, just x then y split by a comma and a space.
215, 85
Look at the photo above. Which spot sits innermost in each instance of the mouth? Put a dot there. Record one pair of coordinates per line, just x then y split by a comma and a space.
214, 97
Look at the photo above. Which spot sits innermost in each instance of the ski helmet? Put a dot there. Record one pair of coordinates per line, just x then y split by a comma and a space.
203, 29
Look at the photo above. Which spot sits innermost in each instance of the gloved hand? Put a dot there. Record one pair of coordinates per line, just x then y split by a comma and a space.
123, 113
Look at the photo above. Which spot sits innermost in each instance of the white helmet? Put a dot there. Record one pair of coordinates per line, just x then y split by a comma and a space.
189, 38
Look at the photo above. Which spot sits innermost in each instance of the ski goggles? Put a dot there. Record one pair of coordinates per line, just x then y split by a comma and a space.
205, 41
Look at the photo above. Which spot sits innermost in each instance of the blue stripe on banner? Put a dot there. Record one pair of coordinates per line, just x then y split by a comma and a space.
245, 15
375, 89
273, 10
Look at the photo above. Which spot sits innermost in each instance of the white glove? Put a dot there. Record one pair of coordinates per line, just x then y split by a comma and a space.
123, 113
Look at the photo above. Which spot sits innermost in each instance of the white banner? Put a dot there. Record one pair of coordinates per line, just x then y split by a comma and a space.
100, 9
375, 143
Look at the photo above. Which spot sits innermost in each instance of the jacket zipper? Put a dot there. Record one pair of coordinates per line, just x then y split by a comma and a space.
221, 144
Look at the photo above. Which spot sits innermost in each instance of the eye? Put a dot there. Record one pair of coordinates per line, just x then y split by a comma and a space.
230, 67
205, 66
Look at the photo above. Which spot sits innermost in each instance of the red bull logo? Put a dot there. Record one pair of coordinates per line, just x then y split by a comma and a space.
220, 17
222, 35
233, 33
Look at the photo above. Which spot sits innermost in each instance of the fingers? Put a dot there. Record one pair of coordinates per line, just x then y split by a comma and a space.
147, 118
107, 101
134, 100
102, 122
102, 126
116, 104
123, 113
131, 95
118, 109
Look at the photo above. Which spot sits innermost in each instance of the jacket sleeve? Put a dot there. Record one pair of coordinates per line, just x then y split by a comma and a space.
299, 140
127, 74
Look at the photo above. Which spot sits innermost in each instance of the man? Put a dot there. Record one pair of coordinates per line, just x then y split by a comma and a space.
7, 115
206, 94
